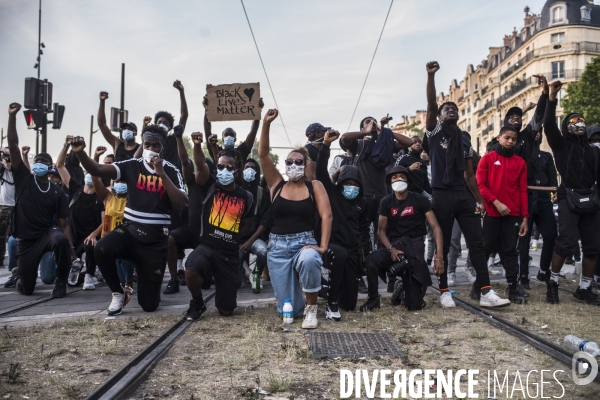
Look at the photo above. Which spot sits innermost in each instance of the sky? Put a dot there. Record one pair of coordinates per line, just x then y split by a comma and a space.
316, 54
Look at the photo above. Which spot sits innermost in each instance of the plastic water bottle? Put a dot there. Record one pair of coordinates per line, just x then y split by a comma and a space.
255, 281
74, 274
574, 343
288, 312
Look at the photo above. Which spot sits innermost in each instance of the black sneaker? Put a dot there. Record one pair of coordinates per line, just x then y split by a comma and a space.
60, 288
520, 290
587, 295
362, 287
552, 292
181, 277
332, 311
395, 299
391, 285
371, 304
475, 293
543, 276
197, 308
172, 286
12, 281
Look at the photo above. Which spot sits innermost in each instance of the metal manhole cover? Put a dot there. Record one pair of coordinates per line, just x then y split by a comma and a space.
351, 344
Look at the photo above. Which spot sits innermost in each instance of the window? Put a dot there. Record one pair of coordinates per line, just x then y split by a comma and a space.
560, 97
557, 15
557, 37
558, 70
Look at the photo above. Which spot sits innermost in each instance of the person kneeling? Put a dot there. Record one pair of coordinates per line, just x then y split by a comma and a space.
226, 215
401, 230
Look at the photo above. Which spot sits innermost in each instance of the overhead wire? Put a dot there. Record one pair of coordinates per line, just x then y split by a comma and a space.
265, 70
370, 65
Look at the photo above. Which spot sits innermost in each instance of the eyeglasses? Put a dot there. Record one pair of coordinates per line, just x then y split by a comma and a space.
221, 167
297, 161
575, 120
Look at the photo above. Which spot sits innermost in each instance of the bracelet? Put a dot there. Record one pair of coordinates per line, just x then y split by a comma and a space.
390, 248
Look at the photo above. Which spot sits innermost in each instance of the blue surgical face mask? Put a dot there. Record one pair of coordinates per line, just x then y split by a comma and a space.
40, 169
350, 192
120, 188
225, 177
228, 142
88, 180
249, 174
128, 135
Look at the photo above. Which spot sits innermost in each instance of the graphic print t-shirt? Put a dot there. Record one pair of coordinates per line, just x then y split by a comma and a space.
222, 216
406, 217
147, 200
114, 208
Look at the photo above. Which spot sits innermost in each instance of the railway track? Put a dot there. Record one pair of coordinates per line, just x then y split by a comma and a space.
551, 349
126, 380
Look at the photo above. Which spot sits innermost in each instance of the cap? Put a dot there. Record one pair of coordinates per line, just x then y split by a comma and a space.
395, 170
315, 128
53, 170
129, 125
514, 111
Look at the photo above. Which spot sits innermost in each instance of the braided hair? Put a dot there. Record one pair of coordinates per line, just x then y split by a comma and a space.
233, 153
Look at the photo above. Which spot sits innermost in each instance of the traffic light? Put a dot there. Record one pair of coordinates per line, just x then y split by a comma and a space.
38, 93
34, 118
58, 111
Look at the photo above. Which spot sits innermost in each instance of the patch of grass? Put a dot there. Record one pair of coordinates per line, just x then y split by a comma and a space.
106, 347
13, 373
68, 389
478, 334
277, 383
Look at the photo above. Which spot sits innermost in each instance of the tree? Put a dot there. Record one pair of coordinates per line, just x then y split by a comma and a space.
414, 127
254, 154
583, 96
190, 148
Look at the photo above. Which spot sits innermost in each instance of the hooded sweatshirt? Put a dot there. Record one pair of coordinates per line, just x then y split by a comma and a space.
262, 213
573, 155
418, 180
348, 215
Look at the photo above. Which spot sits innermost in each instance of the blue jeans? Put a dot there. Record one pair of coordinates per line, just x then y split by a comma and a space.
125, 271
285, 259
259, 249
12, 252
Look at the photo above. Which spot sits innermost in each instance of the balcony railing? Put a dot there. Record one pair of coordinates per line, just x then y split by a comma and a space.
488, 104
569, 74
520, 62
487, 130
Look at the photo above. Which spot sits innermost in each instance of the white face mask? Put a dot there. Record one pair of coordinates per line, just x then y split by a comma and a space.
294, 172
148, 154
399, 186
164, 127
595, 144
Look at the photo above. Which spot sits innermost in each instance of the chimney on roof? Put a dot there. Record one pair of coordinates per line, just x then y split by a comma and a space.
507, 40
514, 32
527, 11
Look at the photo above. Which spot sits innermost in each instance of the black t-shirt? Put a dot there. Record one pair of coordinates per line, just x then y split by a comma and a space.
222, 216
371, 177
147, 199
85, 212
36, 206
435, 144
406, 217
313, 152
122, 154
170, 151
195, 206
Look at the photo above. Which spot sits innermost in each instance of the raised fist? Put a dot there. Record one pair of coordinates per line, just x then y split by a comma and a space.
178, 131
197, 138
432, 67
103, 96
14, 108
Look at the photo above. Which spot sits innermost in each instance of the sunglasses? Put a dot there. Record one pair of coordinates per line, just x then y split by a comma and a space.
297, 161
221, 167
575, 120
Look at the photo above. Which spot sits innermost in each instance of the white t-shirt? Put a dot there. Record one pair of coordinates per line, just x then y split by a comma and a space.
7, 189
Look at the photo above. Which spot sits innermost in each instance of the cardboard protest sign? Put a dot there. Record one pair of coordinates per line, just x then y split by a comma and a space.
235, 102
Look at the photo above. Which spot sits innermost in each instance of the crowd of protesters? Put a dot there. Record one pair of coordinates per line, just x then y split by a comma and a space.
392, 208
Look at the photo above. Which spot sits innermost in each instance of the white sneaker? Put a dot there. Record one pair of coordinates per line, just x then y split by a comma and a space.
119, 300
88, 283
491, 299
451, 278
310, 317
446, 300
333, 312
493, 271
471, 274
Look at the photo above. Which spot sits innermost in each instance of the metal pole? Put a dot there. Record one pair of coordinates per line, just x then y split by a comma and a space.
122, 111
39, 59
37, 141
91, 131
44, 130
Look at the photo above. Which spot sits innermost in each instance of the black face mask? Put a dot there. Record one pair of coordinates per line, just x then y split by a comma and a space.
414, 153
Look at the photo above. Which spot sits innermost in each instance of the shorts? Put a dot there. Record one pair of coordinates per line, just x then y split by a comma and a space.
185, 238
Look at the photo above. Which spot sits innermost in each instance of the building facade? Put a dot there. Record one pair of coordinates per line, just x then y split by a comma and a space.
558, 43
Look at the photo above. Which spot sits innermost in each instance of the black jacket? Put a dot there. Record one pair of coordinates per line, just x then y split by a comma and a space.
573, 155
348, 215
418, 182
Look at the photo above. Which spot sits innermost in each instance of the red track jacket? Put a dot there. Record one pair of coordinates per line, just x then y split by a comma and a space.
503, 179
